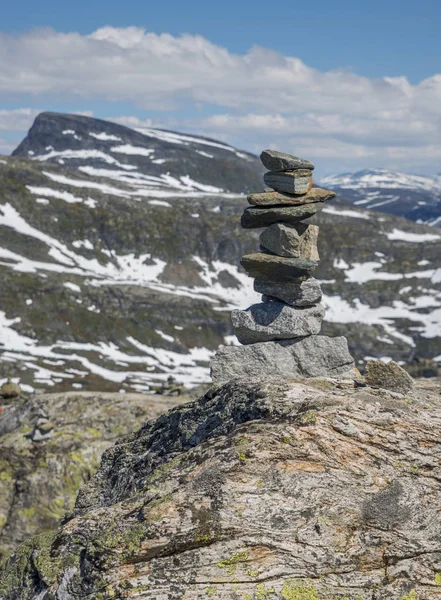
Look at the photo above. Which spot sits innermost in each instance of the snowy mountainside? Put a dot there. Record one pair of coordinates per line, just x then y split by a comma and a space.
150, 161
412, 196
112, 285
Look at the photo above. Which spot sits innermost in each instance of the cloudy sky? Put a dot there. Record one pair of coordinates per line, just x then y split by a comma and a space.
348, 85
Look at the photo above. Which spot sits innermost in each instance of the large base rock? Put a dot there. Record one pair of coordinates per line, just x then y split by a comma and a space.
276, 321
315, 356
260, 490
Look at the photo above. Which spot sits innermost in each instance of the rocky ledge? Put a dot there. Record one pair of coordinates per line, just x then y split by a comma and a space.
259, 490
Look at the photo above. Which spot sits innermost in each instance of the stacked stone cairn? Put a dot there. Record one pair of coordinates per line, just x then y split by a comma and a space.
280, 335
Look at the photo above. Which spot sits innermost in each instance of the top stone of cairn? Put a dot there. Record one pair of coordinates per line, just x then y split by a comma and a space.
279, 161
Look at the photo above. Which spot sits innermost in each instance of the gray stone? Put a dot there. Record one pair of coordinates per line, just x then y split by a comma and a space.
291, 182
314, 356
276, 321
254, 217
279, 161
291, 241
389, 376
277, 268
272, 198
303, 292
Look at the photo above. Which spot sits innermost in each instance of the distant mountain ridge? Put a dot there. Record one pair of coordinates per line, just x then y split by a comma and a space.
146, 158
412, 196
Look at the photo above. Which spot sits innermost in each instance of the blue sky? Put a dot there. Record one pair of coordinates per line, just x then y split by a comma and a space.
341, 53
375, 38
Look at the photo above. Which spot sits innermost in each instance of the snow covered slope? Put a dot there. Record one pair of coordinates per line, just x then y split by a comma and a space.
107, 283
411, 196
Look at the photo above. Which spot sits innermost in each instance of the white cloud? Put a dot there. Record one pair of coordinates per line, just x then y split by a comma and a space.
18, 119
261, 97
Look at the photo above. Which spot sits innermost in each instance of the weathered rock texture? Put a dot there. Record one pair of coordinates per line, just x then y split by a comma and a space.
50, 445
260, 490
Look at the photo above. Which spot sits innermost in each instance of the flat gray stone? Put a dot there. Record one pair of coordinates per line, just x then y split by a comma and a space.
314, 356
272, 198
291, 241
276, 268
276, 321
291, 182
301, 292
279, 161
255, 216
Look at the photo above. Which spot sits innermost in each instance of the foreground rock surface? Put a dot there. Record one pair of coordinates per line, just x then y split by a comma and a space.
51, 444
260, 489
315, 356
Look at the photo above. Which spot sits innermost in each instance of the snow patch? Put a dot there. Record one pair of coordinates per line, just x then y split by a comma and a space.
407, 236
105, 137
132, 150
345, 213
72, 286
51, 193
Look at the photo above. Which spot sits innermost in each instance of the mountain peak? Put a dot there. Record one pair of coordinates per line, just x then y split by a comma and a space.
416, 197
147, 157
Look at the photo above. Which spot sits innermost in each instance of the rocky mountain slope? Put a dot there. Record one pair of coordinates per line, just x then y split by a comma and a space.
51, 444
259, 490
113, 282
412, 196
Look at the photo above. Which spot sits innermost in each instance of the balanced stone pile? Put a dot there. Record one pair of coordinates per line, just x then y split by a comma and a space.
280, 334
